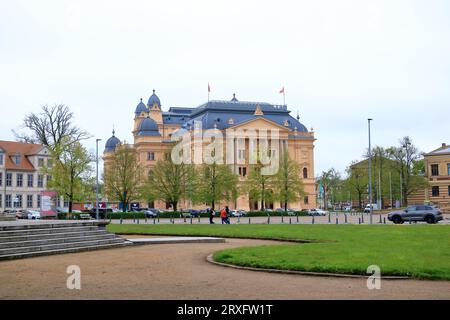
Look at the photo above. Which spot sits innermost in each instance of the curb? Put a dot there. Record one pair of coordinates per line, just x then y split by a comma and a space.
210, 259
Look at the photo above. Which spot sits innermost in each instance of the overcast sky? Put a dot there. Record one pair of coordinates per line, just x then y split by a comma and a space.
340, 62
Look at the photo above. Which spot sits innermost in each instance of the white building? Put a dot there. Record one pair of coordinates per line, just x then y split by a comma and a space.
21, 180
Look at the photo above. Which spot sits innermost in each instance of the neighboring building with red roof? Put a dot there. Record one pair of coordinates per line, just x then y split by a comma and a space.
21, 181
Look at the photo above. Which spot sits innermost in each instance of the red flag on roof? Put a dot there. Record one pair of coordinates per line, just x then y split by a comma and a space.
209, 87
282, 90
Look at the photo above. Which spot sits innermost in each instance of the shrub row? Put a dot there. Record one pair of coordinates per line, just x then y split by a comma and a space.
141, 215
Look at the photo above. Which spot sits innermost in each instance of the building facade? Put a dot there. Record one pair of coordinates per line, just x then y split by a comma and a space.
21, 181
241, 125
437, 171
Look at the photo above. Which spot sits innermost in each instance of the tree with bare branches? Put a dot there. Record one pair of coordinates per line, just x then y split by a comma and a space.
51, 126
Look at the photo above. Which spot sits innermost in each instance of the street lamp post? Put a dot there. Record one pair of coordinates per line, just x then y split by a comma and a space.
370, 173
96, 184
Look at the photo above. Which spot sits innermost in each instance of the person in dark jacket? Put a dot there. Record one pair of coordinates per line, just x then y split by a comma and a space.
211, 215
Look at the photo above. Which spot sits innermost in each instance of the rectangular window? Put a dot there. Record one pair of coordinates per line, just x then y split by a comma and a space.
241, 154
29, 201
434, 170
9, 179
49, 163
1, 159
39, 201
435, 191
306, 200
448, 169
449, 190
49, 178
40, 181
41, 162
243, 171
16, 159
1, 201
150, 156
30, 180
18, 201
66, 203
19, 180
58, 202
8, 202
1, 179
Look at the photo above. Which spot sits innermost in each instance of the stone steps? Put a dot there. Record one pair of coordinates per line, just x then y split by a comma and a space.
62, 251
29, 239
51, 236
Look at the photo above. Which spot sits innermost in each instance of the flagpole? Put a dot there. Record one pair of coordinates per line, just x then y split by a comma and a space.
284, 97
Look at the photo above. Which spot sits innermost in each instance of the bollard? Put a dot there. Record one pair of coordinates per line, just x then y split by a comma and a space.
380, 218
409, 221
290, 222
198, 219
138, 221
337, 221
384, 220
121, 221
154, 220
146, 219
191, 220
173, 221
297, 219
249, 221
345, 218
329, 218
359, 220
268, 219
184, 219
362, 218
282, 219
239, 219
312, 220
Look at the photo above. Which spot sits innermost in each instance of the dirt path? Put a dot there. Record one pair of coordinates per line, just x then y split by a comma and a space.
179, 271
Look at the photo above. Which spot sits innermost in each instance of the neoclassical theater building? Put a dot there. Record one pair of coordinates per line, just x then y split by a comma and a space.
154, 130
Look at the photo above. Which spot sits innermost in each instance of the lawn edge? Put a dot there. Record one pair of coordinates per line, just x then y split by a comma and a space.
210, 259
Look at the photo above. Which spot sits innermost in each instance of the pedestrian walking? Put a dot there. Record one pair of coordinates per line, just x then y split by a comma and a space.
211, 215
223, 216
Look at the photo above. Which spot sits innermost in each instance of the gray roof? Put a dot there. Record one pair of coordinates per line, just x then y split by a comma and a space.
148, 127
154, 99
111, 143
141, 107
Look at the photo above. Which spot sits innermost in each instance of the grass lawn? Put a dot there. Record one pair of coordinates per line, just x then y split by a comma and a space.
420, 251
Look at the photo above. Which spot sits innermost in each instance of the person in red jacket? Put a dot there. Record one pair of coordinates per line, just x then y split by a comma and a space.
223, 216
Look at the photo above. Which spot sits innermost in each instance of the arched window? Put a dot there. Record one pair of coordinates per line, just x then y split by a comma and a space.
305, 173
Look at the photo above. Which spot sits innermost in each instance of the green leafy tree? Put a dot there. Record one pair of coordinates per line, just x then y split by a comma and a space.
214, 183
169, 182
357, 181
287, 182
122, 178
405, 156
260, 186
70, 169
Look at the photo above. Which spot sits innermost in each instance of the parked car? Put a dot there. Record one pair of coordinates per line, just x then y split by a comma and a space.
20, 214
367, 208
316, 212
191, 213
33, 215
238, 213
102, 212
427, 213
151, 213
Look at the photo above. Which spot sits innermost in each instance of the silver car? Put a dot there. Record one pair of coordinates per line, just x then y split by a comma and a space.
427, 213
